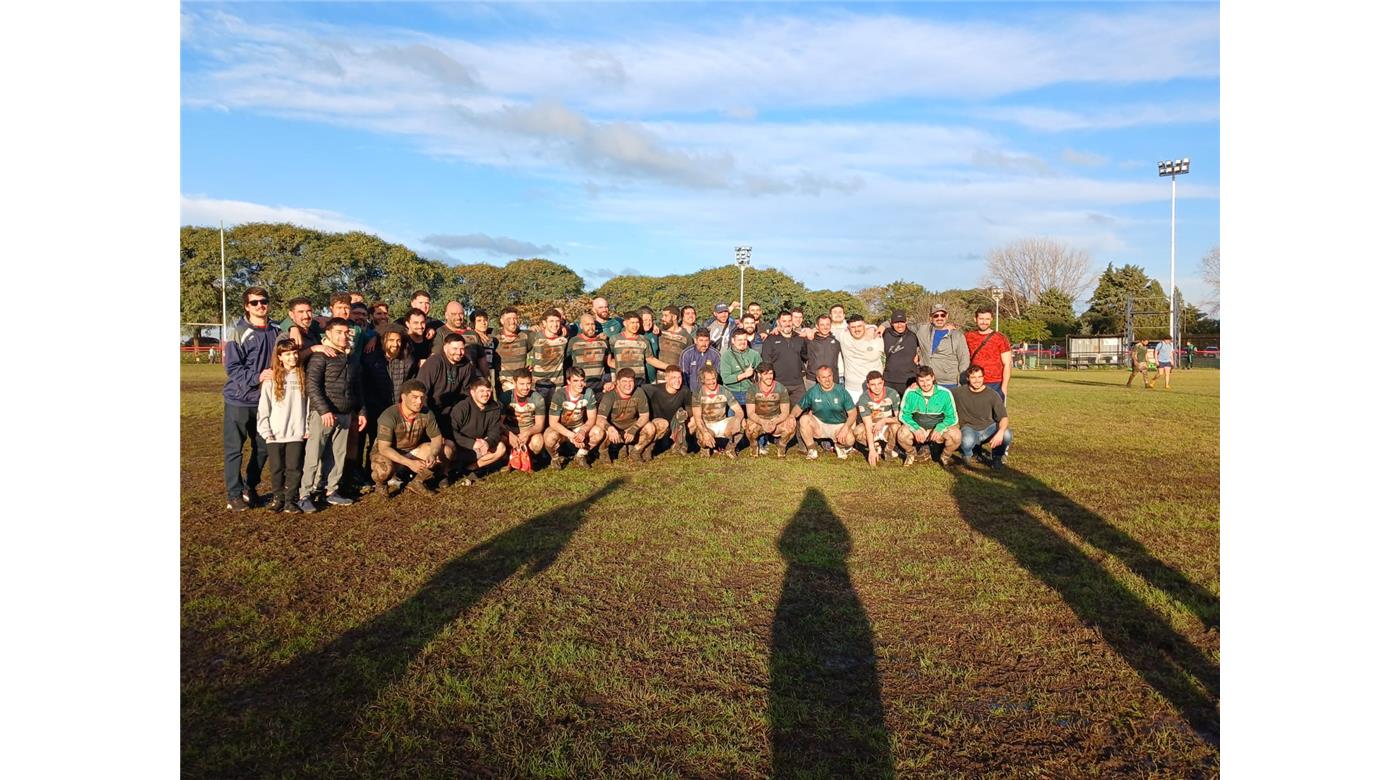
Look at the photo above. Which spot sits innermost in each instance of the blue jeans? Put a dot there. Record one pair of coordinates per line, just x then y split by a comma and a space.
741, 396
997, 387
949, 388
972, 438
241, 425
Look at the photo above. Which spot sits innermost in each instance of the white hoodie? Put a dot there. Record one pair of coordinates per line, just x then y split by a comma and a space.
284, 421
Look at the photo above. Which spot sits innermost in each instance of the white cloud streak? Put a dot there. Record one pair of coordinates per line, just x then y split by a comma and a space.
203, 211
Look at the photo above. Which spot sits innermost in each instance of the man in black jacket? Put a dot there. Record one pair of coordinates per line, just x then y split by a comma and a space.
446, 375
787, 351
901, 352
333, 389
475, 434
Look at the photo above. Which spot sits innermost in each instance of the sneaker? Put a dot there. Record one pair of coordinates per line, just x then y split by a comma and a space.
395, 482
237, 504
252, 499
422, 488
842, 452
922, 453
970, 462
625, 453
909, 458
813, 453
763, 449
555, 461
997, 464
887, 453
276, 504
336, 499
307, 506
292, 508
731, 452
945, 460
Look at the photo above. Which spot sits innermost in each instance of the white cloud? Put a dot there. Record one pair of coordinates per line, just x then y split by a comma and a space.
1089, 159
1058, 120
200, 210
498, 245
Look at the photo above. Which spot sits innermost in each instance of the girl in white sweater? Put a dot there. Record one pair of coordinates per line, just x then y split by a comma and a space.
282, 411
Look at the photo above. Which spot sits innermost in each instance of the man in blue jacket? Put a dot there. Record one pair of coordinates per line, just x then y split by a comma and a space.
247, 361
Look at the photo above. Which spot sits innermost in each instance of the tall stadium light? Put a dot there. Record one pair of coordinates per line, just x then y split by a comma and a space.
997, 292
741, 259
1173, 168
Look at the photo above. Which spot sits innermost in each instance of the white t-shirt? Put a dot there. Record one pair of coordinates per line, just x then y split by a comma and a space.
860, 356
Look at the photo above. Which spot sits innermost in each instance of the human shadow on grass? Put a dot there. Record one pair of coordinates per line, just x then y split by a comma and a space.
287, 722
995, 505
825, 715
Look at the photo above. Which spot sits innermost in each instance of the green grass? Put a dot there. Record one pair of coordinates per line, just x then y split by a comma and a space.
709, 618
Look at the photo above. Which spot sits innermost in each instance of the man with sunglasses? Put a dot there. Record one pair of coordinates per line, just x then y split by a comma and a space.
942, 347
247, 362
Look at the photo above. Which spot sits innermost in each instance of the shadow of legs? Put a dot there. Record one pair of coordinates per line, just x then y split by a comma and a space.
284, 722
825, 715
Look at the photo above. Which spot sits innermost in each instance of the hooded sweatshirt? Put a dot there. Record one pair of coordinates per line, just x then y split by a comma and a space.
284, 421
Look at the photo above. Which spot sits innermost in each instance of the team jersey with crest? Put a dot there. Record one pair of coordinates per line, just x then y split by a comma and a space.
546, 358
572, 413
714, 404
631, 352
512, 353
519, 415
590, 355
672, 344
767, 405
623, 412
875, 410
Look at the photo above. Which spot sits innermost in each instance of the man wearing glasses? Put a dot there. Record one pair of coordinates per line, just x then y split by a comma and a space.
942, 347
247, 361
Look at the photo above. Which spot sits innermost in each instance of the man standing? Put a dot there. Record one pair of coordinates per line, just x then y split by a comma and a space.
481, 329
408, 440
942, 346
589, 351
737, 364
623, 416
688, 320
573, 416
1164, 363
456, 322
629, 349
302, 328
333, 387
931, 416
697, 357
787, 352
770, 412
901, 352
672, 341
446, 375
990, 350
247, 363
512, 350
607, 325
715, 414
546, 357
1138, 364
648, 332
861, 350
981, 419
669, 401
750, 326
523, 417
839, 321
831, 415
720, 326
1188, 355
419, 345
476, 433
421, 301
879, 425
824, 349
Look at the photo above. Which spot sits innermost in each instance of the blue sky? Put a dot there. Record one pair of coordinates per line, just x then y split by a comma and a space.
850, 145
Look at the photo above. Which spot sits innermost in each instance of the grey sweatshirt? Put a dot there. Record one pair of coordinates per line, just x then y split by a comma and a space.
284, 421
952, 357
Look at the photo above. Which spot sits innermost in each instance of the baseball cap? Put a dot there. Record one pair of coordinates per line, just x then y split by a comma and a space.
719, 307
938, 307
898, 316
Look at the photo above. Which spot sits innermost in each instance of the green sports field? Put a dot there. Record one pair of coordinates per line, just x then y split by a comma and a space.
712, 618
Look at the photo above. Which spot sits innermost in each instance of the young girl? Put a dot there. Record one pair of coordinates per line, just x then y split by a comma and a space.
282, 411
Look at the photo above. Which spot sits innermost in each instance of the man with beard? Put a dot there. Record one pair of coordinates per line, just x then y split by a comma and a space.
524, 416
672, 341
823, 349
407, 440
715, 414
787, 353
302, 328
589, 352
901, 352
456, 322
421, 301
512, 350
629, 349
446, 375
770, 413
623, 414
942, 346
992, 351
861, 351
697, 357
418, 344
573, 418
606, 324
386, 369
546, 357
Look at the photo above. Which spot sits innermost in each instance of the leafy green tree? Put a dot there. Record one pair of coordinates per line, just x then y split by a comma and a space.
523, 281
1107, 306
819, 302
1025, 329
1056, 309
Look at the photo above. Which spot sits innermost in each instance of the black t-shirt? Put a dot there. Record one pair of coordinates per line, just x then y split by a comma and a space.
664, 405
421, 350
900, 350
978, 410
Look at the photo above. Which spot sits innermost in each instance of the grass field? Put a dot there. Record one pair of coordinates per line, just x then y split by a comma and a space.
710, 618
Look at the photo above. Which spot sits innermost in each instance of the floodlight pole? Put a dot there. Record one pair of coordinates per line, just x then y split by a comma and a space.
1172, 168
997, 292
741, 259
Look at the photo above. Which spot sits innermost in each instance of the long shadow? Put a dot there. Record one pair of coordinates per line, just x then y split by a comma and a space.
286, 722
1185, 676
825, 715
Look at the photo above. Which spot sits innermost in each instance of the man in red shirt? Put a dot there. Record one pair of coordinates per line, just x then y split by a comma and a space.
990, 350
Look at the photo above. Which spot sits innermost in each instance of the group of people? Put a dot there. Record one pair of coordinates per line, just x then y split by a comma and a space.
356, 400
1158, 360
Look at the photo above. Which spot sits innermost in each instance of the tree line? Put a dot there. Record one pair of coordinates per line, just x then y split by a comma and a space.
1041, 279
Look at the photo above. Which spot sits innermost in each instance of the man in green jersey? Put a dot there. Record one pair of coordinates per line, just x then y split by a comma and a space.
629, 349
607, 324
1138, 364
546, 356
512, 351
623, 416
715, 414
737, 365
589, 351
879, 427
830, 414
931, 416
573, 420
770, 413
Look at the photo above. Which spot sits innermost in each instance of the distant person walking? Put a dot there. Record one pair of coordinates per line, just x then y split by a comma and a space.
1138, 364
1164, 364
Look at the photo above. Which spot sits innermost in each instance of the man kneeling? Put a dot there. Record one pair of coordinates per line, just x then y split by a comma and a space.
669, 401
408, 441
523, 415
476, 433
770, 413
931, 415
715, 414
573, 414
878, 426
982, 418
623, 414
